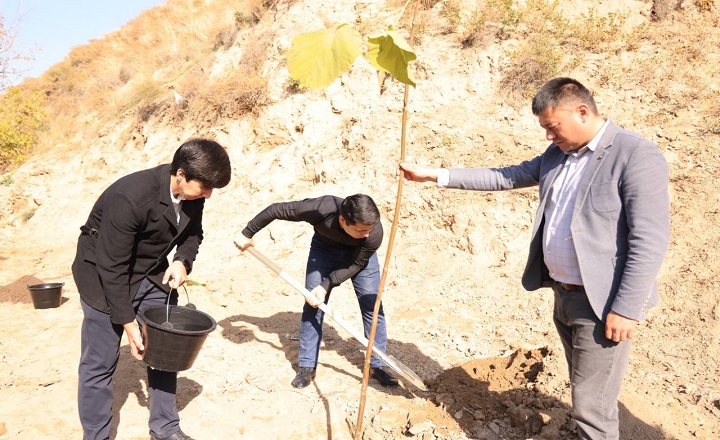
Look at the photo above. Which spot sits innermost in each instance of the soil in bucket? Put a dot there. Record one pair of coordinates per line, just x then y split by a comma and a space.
176, 348
46, 296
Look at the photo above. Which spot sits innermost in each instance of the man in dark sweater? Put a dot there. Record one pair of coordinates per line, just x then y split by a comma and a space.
347, 235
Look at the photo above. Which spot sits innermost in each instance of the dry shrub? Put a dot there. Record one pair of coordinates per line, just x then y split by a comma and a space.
428, 4
225, 38
244, 91
248, 101
589, 31
132, 69
489, 20
146, 111
140, 93
476, 34
531, 65
539, 19
452, 12
595, 33
126, 73
704, 5
236, 96
545, 17
661, 9
501, 16
522, 79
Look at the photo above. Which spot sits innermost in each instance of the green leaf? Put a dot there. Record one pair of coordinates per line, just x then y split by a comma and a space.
316, 59
391, 53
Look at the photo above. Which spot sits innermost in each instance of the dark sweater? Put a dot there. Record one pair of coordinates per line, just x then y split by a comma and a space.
323, 213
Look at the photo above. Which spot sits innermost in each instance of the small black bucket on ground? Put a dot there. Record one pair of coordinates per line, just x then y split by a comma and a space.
174, 347
46, 296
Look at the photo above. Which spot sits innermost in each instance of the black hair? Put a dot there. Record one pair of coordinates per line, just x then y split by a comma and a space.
360, 208
559, 91
203, 160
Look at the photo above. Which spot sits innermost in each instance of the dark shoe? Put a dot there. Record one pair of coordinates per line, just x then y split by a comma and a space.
304, 377
384, 377
175, 436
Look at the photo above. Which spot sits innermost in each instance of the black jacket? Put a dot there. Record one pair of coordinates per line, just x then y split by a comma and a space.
137, 230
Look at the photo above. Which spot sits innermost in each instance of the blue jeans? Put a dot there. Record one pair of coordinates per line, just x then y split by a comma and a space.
596, 364
100, 351
322, 261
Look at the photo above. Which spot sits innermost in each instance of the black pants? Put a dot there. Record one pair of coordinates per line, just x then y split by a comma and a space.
100, 351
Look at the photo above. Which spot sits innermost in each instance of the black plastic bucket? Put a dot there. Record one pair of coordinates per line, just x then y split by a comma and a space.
46, 296
174, 349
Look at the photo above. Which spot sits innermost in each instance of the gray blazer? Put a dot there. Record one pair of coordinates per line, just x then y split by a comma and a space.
620, 223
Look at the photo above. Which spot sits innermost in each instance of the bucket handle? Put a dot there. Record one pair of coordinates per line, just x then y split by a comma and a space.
189, 305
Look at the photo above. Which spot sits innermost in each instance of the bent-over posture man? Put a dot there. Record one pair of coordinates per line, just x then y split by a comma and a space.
121, 268
599, 239
347, 234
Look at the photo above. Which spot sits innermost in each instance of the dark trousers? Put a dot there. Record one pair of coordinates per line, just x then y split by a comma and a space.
596, 364
100, 351
322, 261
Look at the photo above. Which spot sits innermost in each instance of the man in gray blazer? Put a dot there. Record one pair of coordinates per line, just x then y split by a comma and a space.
121, 268
600, 236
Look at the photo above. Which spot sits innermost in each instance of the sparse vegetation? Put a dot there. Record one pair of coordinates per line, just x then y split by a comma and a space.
543, 32
451, 11
592, 32
143, 72
476, 34
488, 20
21, 117
532, 64
226, 37
133, 70
234, 97
146, 90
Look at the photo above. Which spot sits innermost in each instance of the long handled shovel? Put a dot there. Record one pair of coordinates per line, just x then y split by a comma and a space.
390, 361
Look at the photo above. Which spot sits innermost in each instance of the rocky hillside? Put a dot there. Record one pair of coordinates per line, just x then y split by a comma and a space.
453, 295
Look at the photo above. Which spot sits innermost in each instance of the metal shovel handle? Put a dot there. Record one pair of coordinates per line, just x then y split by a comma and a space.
390, 361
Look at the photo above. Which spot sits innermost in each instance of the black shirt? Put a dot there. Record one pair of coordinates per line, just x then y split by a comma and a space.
324, 214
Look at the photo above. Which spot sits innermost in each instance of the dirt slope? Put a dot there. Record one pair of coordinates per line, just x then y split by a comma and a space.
457, 314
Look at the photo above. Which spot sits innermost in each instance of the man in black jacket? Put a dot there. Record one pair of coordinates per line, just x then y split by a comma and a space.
347, 234
121, 268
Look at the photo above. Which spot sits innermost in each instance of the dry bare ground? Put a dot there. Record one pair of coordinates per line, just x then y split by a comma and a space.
457, 314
